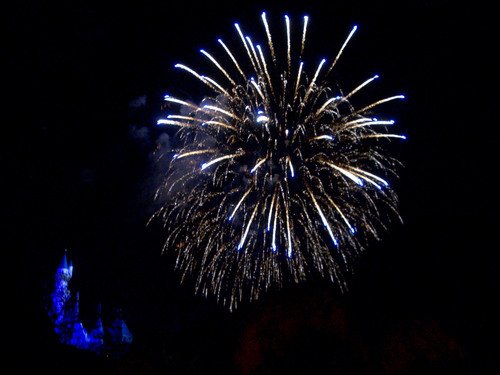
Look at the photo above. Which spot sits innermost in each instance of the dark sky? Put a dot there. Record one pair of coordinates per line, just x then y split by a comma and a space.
423, 299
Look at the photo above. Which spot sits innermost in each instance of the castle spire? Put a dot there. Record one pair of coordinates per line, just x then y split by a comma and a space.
64, 262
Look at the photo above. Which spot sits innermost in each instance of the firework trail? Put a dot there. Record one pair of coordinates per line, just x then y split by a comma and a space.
277, 178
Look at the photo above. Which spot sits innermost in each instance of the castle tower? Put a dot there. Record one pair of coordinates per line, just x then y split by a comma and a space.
66, 310
61, 294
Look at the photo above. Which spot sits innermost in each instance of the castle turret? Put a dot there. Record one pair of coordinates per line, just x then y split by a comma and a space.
119, 332
70, 268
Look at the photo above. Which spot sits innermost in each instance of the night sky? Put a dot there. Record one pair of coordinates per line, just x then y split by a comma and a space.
90, 78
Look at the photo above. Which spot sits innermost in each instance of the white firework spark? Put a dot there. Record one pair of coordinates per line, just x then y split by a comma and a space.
276, 178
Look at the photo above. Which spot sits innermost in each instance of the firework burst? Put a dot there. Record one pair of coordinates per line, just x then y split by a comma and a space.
277, 177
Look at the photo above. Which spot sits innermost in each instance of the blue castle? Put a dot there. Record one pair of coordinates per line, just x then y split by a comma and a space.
65, 311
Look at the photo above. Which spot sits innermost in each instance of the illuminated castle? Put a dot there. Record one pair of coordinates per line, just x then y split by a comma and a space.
66, 316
